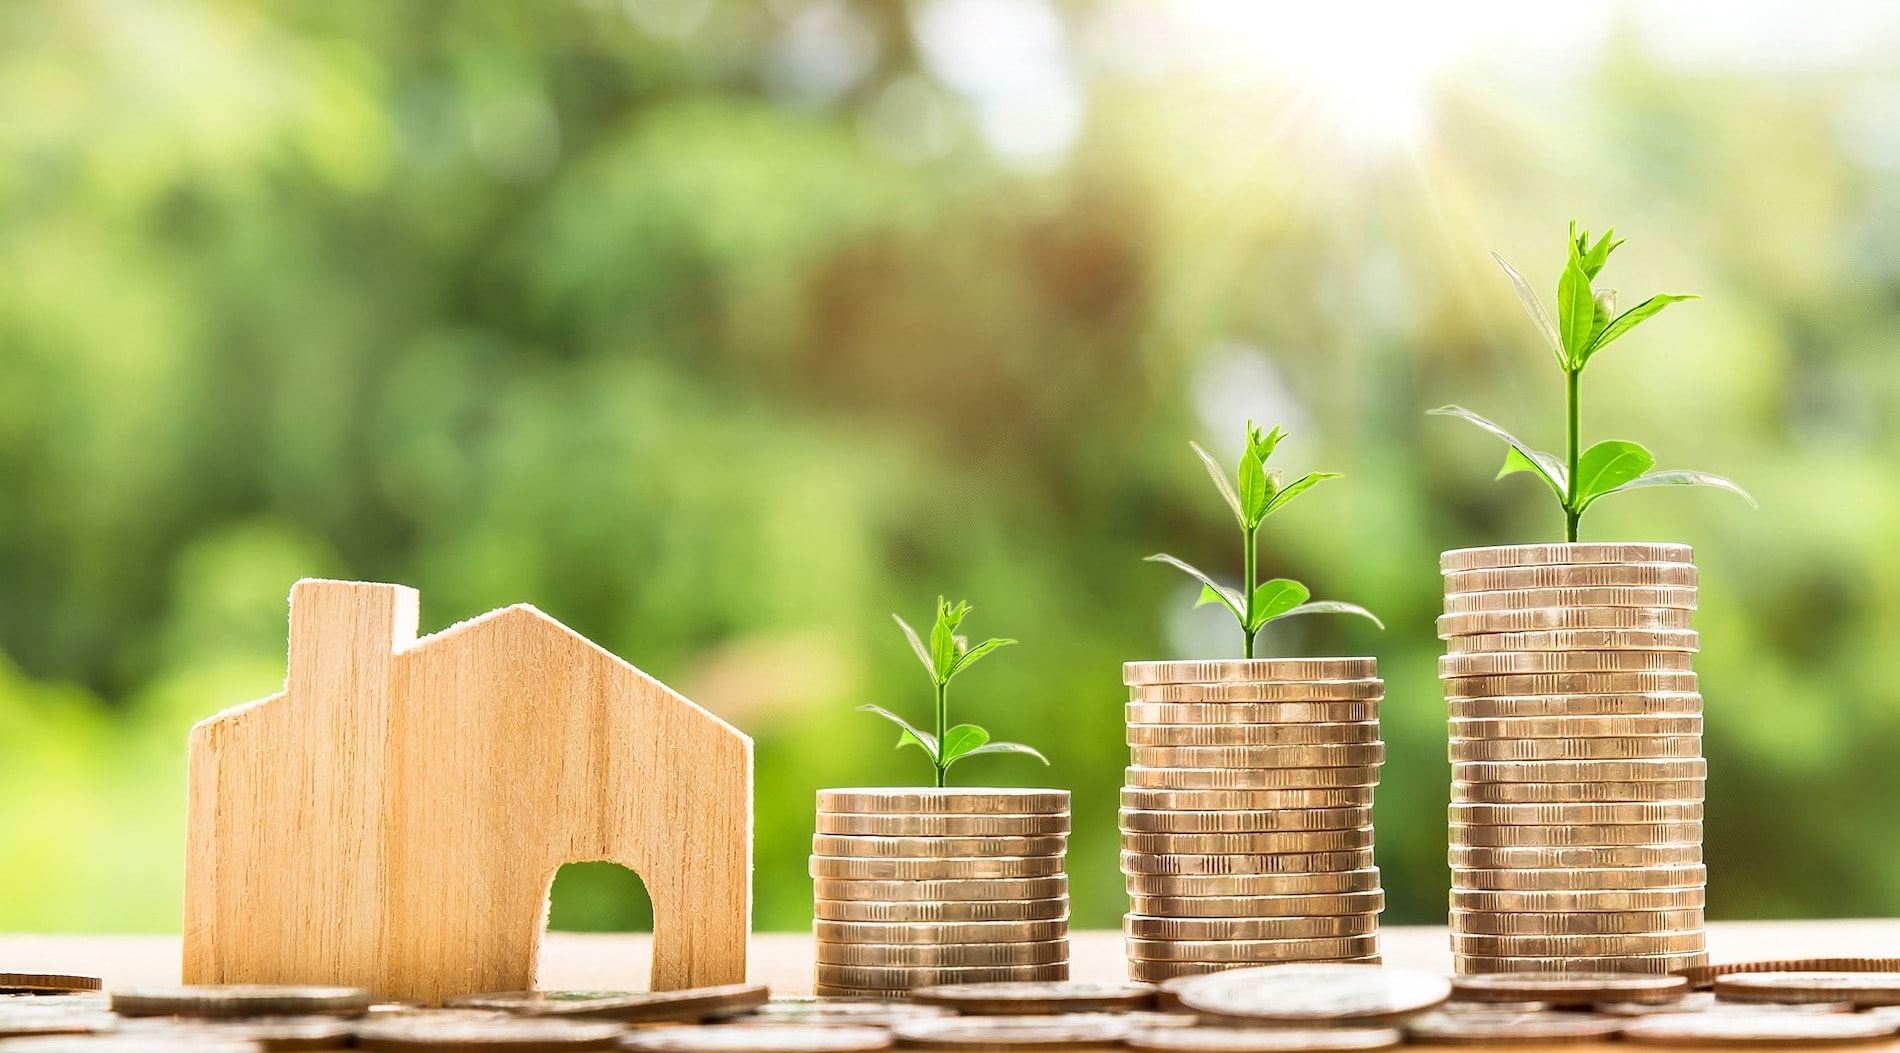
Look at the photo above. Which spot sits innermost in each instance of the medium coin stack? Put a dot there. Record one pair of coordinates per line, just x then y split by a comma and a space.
1576, 750
922, 887
1247, 815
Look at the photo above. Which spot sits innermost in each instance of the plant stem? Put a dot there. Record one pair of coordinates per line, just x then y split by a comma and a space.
1571, 514
943, 720
1249, 562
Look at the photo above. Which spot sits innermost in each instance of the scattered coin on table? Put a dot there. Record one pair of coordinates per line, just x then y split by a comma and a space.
1705, 1001
1863, 989
1718, 1028
214, 1000
688, 1005
51, 983
1314, 993
1559, 988
775, 1038
1705, 975
18, 1021
124, 1044
280, 1034
1511, 1029
499, 1033
849, 1012
1073, 1030
1023, 999
1262, 1039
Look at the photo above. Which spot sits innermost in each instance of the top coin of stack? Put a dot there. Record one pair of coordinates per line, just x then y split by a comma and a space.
1247, 815
920, 887
1576, 749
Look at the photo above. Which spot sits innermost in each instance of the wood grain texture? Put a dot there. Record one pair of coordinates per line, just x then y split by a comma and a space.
395, 816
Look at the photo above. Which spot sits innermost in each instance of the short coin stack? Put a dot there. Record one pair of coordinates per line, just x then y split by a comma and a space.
1247, 815
921, 887
1576, 750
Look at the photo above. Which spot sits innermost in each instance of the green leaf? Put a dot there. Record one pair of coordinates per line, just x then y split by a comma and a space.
1630, 319
1533, 307
1220, 480
1517, 462
1254, 491
1334, 607
917, 645
970, 656
1595, 257
1263, 444
1273, 599
1226, 596
1682, 478
943, 638
960, 740
1608, 465
1576, 309
1299, 486
1544, 464
924, 740
1007, 747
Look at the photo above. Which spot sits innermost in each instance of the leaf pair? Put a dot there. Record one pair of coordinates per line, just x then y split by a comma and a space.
1259, 493
948, 653
963, 740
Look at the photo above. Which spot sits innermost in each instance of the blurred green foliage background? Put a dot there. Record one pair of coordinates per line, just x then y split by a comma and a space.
722, 329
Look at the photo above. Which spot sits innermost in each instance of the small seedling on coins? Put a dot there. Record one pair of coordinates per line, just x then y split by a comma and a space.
1587, 322
946, 655
1260, 493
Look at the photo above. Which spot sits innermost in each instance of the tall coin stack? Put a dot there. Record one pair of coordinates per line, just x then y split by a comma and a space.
1576, 749
1247, 815
916, 887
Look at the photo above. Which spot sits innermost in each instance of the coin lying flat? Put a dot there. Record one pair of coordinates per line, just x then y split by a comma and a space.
1159, 799
690, 1004
1558, 858
1363, 880
862, 847
1864, 989
1705, 1001
1565, 619
909, 868
1574, 879
1231, 907
1600, 923
1231, 734
1679, 942
1705, 975
933, 826
238, 1000
1627, 834
1578, 640
1470, 792
1282, 863
1631, 747
46, 983
1511, 1029
1756, 1029
1564, 901
1601, 704
1150, 927
1334, 755
19, 1021
274, 1034
1165, 821
1569, 576
1564, 554
1262, 1039
1633, 726
1248, 670
1614, 963
1256, 842
1036, 998
1311, 994
1250, 779
1598, 683
972, 889
927, 933
1253, 951
1569, 988
1494, 663
1579, 771
1055, 908
115, 1043
514, 1034
906, 978
1013, 1032
943, 956
1164, 973
1583, 814
1234, 712
1682, 596
760, 1038
843, 1012
940, 801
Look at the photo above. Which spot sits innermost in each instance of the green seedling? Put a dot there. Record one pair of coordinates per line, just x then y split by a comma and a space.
947, 655
1587, 322
1258, 494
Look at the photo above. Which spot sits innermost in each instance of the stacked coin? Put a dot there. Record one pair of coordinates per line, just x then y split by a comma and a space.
1576, 750
1247, 815
920, 887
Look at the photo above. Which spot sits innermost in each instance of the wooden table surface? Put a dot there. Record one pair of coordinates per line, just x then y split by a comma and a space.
618, 961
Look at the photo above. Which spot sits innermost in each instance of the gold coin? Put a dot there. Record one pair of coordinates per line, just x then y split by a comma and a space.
1629, 747
1574, 727
1614, 877
1594, 923
1266, 841
1566, 553
974, 888
1557, 902
690, 1005
1340, 755
1229, 885
1688, 942
1675, 790
1547, 858
1262, 693
1204, 1039
1568, 576
903, 978
1580, 771
910, 912
443, 1031
1626, 704
1731, 1030
1250, 778
1679, 596
1249, 670
913, 800
1485, 834
1578, 640
1252, 951
937, 847
1568, 989
944, 955
247, 1000
1234, 714
944, 932
1168, 972
1229, 907
1011, 1032
1142, 863
1138, 821
1030, 998
913, 869
933, 826
1151, 799
1313, 994
1534, 1030
1604, 683
1148, 927
1337, 732
1564, 619
47, 983
1495, 663
1611, 963
832, 1037
1704, 976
